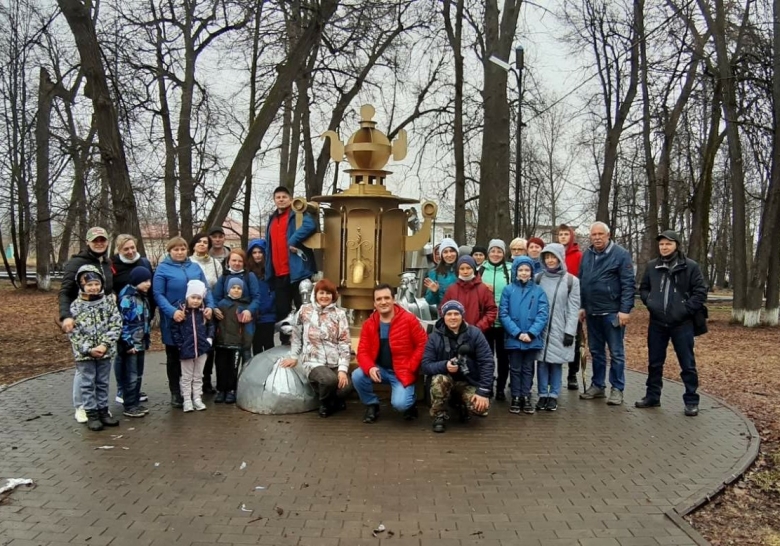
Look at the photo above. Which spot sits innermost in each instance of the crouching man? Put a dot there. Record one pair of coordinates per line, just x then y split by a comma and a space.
459, 361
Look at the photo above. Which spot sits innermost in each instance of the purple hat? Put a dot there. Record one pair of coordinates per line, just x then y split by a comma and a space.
453, 305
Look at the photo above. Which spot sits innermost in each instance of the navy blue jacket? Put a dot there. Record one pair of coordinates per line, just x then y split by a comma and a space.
607, 281
170, 290
267, 312
523, 310
192, 334
300, 268
440, 348
251, 288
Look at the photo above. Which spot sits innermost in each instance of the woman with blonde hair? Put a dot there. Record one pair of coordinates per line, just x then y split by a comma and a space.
518, 247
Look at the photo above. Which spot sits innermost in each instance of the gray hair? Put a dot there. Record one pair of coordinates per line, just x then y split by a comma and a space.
602, 225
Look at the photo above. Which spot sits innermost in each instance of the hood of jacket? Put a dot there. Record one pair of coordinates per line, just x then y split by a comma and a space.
556, 250
259, 243
170, 261
521, 260
89, 268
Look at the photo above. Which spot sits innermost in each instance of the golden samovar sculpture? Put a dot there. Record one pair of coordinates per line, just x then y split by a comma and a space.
365, 235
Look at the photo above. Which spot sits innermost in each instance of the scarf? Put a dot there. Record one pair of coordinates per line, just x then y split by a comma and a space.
129, 261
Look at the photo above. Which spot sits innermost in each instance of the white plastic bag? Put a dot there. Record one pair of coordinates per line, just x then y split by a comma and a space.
267, 388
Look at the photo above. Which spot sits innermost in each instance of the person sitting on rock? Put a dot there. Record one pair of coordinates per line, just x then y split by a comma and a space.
459, 362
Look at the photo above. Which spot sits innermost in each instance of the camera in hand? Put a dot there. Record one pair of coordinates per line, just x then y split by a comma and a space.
463, 358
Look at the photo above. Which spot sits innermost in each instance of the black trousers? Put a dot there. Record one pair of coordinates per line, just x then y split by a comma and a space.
208, 367
574, 365
226, 361
287, 296
325, 382
173, 368
681, 336
495, 338
263, 338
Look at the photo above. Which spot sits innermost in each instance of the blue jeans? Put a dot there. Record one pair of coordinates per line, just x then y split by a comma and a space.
95, 375
132, 370
548, 379
401, 398
658, 337
77, 402
521, 372
603, 333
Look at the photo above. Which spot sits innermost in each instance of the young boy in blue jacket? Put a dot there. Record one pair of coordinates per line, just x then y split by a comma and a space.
134, 342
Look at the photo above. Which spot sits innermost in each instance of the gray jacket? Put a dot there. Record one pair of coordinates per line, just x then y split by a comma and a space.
564, 307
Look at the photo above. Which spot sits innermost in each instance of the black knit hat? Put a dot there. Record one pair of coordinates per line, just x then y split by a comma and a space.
479, 248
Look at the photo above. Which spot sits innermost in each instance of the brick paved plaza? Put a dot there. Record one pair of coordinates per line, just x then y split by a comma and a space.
585, 475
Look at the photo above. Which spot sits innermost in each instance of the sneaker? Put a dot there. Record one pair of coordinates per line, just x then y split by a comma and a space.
691, 410
528, 406
143, 409
647, 402
515, 406
143, 397
219, 398
593, 392
188, 406
541, 404
119, 399
106, 418
572, 384
93, 421
552, 404
198, 404
410, 414
177, 400
440, 423
230, 397
133, 412
372, 413
81, 415
615, 397
501, 396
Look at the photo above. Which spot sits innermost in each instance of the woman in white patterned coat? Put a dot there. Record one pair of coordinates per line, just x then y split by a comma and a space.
321, 345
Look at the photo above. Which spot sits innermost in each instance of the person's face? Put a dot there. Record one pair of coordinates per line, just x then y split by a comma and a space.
235, 262
98, 245
551, 261
92, 287
144, 287
436, 255
257, 255
517, 250
282, 200
496, 255
128, 249
324, 297
383, 301
178, 253
449, 255
217, 240
599, 237
534, 250
666, 247
236, 292
453, 319
202, 246
465, 270
194, 301
478, 257
524, 273
564, 236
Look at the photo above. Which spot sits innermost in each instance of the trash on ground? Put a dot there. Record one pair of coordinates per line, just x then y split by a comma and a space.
243, 466
245, 509
105, 447
380, 529
259, 488
12, 483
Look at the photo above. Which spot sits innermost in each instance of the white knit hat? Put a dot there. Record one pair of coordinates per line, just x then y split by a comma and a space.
498, 243
448, 243
196, 288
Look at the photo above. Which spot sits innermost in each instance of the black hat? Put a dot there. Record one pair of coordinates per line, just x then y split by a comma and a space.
670, 235
216, 229
479, 248
282, 189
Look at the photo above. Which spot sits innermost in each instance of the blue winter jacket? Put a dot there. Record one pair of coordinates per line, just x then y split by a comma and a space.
300, 267
267, 312
523, 310
441, 347
607, 281
192, 334
251, 288
170, 290
135, 310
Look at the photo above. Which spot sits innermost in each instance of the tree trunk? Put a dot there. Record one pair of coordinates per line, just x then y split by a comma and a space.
109, 137
648, 244
184, 134
278, 92
494, 217
454, 36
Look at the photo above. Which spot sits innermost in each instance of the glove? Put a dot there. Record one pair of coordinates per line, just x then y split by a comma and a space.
568, 340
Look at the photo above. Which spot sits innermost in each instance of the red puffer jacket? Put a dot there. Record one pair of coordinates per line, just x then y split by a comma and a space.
573, 257
407, 344
477, 299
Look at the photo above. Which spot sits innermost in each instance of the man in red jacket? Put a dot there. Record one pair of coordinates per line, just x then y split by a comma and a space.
390, 350
568, 239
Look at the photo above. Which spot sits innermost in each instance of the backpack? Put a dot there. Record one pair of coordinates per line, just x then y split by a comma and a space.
569, 280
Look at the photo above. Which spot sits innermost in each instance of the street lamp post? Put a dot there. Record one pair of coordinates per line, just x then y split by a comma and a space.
519, 144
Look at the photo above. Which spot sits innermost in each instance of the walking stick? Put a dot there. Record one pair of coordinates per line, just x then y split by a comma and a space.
584, 359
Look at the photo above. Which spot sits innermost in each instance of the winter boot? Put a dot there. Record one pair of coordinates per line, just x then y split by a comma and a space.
106, 418
93, 420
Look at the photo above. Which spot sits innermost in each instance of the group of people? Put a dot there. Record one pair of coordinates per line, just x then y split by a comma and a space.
503, 319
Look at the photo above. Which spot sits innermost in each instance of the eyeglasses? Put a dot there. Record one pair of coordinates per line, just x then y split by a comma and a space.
517, 248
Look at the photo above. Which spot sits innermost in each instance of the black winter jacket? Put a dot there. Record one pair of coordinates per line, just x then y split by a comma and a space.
69, 289
441, 347
673, 293
192, 334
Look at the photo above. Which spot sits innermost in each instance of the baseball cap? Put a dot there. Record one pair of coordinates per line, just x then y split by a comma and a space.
216, 229
95, 232
669, 234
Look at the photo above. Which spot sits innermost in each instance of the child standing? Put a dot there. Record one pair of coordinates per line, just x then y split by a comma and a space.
134, 308
193, 337
234, 340
563, 293
266, 317
97, 327
523, 313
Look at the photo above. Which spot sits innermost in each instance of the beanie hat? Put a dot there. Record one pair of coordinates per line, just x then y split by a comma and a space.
478, 248
467, 260
497, 243
464, 250
196, 288
537, 241
453, 305
448, 243
139, 274
235, 281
